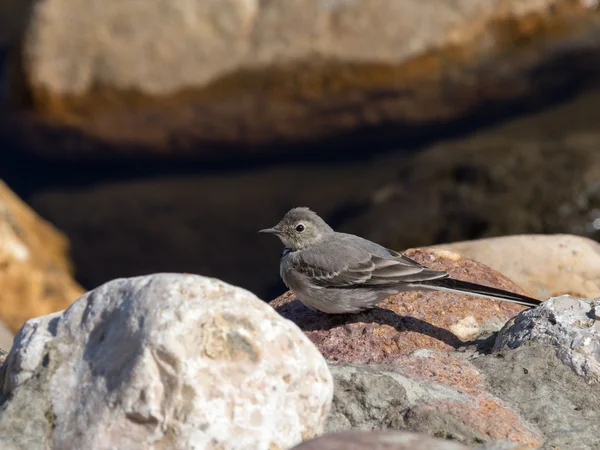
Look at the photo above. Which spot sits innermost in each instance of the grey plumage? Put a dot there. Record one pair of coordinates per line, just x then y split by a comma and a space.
341, 273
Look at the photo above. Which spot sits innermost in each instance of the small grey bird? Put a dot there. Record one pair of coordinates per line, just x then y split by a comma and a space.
339, 273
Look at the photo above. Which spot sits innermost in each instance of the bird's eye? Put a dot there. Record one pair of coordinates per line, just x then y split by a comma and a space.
299, 228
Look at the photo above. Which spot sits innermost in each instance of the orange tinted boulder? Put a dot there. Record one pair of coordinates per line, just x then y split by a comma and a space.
35, 271
382, 440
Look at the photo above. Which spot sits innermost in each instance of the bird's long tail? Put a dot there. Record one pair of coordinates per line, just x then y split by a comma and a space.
479, 290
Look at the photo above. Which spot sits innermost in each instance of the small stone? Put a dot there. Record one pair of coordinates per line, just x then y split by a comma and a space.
466, 328
437, 394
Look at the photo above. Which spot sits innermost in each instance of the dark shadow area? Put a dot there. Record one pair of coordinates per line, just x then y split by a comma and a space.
309, 320
484, 345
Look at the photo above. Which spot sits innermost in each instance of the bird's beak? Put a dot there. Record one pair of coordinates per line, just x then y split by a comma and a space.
271, 230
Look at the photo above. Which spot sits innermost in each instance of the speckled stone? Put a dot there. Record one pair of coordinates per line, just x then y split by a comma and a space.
568, 324
430, 392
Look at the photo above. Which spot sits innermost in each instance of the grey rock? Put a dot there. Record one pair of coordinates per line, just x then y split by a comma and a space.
370, 397
542, 370
394, 440
567, 324
545, 392
380, 440
418, 398
502, 445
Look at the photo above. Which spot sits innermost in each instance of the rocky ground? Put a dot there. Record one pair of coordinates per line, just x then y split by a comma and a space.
126, 79
179, 360
185, 361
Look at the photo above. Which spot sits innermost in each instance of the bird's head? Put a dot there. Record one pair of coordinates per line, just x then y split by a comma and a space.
300, 228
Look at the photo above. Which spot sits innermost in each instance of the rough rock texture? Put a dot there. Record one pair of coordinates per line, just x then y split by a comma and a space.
547, 266
429, 392
392, 440
164, 361
153, 79
571, 326
535, 387
35, 272
408, 321
547, 393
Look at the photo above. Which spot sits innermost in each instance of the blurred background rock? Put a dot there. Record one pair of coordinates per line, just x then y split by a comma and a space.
160, 136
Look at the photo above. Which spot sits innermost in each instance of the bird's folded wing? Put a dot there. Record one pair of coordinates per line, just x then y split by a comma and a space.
367, 269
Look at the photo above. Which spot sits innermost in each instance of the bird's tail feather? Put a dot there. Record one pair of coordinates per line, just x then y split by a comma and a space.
465, 287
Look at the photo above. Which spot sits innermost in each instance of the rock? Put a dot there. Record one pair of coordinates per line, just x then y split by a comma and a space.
164, 361
6, 337
506, 179
502, 445
546, 392
124, 79
565, 323
530, 175
574, 267
13, 14
537, 387
35, 272
390, 440
429, 392
408, 321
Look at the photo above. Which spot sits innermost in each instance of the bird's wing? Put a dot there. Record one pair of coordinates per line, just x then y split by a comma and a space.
346, 268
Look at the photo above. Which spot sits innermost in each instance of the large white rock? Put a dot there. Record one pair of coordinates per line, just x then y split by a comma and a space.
163, 361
